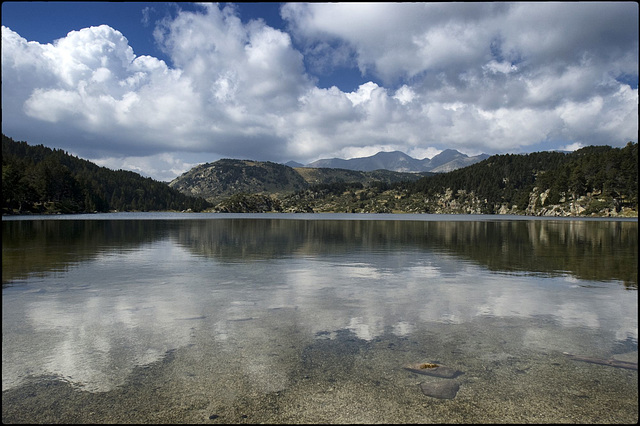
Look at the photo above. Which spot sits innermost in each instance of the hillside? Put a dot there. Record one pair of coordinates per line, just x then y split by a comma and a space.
224, 178
318, 176
37, 179
595, 179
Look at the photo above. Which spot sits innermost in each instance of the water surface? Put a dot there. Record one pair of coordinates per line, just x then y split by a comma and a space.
311, 318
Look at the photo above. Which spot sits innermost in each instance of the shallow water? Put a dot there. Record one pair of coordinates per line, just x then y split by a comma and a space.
312, 318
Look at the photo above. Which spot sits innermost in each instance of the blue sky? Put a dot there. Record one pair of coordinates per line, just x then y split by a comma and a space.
160, 87
48, 21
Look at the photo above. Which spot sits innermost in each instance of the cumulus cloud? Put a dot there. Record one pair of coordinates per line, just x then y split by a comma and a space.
92, 84
477, 77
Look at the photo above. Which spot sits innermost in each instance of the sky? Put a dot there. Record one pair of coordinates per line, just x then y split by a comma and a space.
158, 88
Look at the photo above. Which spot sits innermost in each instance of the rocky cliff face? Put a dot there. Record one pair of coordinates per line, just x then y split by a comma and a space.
592, 204
585, 206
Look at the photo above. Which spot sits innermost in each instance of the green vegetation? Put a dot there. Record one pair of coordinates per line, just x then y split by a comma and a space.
254, 203
37, 179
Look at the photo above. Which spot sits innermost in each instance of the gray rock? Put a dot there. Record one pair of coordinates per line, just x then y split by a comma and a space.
445, 389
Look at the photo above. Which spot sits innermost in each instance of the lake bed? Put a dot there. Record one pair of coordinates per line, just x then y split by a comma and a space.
174, 318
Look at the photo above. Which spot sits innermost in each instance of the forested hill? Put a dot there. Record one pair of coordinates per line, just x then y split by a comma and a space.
603, 177
37, 179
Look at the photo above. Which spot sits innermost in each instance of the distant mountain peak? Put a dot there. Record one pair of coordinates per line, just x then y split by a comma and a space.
398, 161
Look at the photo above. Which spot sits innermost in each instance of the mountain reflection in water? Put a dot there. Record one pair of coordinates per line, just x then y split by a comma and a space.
590, 250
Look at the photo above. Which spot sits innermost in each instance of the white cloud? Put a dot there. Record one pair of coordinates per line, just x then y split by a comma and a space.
164, 166
572, 147
394, 40
404, 94
52, 105
421, 153
488, 77
363, 94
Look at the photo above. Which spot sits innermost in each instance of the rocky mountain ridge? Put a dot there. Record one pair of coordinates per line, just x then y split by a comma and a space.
227, 177
446, 161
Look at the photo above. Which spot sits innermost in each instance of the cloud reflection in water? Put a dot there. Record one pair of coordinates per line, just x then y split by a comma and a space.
96, 322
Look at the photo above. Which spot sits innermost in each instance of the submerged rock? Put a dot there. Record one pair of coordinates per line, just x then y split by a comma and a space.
445, 389
433, 369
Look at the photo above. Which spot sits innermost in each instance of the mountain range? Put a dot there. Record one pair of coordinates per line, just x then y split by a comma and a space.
226, 177
397, 161
223, 178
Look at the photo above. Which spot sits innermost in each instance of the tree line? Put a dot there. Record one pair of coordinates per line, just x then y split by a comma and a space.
510, 179
38, 179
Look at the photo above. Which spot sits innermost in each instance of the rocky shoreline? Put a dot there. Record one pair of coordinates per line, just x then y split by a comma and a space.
370, 200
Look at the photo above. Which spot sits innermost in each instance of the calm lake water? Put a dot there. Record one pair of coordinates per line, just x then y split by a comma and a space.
223, 318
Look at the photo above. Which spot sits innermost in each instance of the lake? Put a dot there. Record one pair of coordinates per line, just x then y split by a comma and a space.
319, 318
